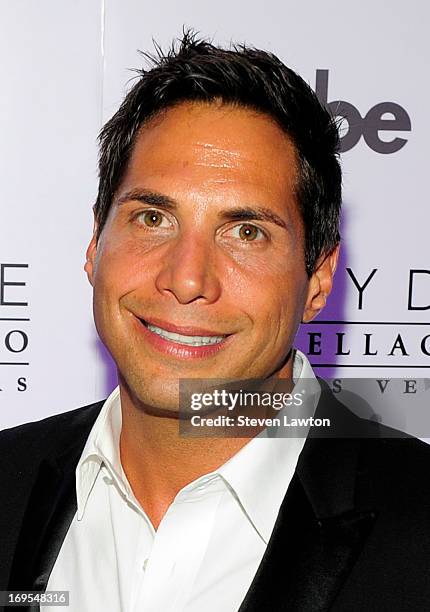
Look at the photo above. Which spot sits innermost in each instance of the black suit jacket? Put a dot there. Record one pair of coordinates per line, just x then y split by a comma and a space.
352, 534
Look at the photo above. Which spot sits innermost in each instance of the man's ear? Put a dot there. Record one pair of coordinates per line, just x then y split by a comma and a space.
91, 255
320, 284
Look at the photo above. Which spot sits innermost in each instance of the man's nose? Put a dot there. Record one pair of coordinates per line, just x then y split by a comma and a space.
189, 270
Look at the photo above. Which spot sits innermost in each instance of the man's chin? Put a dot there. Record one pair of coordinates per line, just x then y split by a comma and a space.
161, 400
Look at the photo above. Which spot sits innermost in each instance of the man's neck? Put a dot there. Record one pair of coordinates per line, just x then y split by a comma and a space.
158, 462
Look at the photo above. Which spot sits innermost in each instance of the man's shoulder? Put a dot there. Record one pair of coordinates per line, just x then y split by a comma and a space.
400, 465
392, 469
50, 433
387, 465
386, 450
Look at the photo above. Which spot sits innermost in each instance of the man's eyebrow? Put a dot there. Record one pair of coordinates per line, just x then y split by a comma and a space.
259, 213
146, 196
246, 213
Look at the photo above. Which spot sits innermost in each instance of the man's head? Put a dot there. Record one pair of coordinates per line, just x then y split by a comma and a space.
216, 219
244, 77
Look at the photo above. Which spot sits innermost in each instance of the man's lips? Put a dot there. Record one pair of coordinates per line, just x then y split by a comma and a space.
179, 341
185, 330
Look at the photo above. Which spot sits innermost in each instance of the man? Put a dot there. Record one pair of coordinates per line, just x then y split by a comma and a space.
216, 234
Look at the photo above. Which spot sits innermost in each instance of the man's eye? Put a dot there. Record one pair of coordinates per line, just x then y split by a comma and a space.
153, 218
248, 232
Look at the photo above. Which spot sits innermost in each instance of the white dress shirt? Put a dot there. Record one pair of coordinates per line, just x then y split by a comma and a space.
208, 545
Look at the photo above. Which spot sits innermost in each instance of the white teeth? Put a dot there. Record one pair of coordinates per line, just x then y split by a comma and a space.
189, 340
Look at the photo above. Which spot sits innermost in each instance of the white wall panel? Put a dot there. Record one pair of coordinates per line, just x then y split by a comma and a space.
50, 103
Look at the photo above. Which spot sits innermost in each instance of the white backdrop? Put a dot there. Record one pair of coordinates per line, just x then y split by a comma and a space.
65, 67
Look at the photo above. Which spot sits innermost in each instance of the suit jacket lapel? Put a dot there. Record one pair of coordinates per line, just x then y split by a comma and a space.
50, 510
319, 532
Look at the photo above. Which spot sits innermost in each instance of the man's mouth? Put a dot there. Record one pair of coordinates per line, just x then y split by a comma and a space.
185, 339
189, 336
184, 342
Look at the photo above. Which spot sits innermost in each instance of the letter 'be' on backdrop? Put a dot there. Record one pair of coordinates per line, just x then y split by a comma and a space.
65, 69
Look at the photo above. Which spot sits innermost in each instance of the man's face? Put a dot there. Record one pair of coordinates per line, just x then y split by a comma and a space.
199, 271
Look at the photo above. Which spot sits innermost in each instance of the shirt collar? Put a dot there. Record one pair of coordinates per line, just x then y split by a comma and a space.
259, 474
102, 448
252, 475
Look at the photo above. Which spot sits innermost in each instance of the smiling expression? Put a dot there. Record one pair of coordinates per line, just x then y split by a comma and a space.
199, 270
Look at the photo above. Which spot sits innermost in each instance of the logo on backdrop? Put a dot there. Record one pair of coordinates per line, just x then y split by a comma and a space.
365, 342
14, 322
375, 126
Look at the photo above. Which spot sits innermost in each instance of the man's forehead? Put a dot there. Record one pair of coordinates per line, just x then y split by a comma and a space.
221, 140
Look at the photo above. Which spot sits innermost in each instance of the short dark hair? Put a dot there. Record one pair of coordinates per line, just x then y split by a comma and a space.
196, 70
